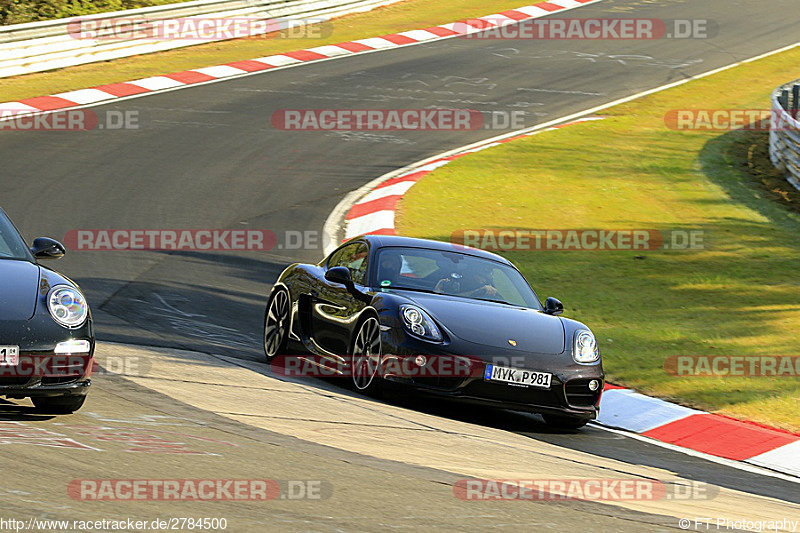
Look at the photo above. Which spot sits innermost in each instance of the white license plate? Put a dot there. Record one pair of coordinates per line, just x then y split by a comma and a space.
516, 376
9, 355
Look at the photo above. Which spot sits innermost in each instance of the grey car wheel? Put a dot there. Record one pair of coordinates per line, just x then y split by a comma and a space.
276, 326
366, 356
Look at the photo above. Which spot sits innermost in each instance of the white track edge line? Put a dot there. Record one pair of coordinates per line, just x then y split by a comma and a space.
334, 222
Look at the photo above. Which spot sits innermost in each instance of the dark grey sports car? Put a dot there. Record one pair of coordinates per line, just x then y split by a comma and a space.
447, 320
46, 337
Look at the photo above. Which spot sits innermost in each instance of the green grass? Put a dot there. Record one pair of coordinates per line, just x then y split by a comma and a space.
740, 295
22, 11
402, 16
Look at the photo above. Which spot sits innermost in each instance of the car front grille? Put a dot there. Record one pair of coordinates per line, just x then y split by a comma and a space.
55, 380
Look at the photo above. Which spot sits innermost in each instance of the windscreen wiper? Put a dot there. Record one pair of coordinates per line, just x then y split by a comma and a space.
496, 301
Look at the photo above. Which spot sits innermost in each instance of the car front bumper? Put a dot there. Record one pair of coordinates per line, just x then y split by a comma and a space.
46, 374
568, 394
36, 388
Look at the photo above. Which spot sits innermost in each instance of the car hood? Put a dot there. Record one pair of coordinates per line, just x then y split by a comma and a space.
494, 324
19, 289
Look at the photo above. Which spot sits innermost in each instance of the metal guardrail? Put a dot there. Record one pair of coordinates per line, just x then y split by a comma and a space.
47, 45
784, 135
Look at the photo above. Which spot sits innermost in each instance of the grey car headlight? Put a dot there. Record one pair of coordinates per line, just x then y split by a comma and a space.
67, 306
419, 323
585, 349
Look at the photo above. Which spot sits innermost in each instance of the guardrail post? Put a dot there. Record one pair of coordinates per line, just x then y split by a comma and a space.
783, 98
784, 136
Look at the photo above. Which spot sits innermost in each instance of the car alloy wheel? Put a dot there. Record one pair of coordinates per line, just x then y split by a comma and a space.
366, 355
277, 322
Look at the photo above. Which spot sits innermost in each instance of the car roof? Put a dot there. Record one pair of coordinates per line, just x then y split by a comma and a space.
382, 241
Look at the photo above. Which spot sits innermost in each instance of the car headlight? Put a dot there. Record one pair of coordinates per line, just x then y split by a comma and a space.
419, 323
67, 306
585, 349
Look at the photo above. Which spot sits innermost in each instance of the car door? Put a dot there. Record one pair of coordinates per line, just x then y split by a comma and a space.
334, 309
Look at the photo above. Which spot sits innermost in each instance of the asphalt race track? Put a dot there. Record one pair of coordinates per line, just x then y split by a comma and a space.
208, 157
375, 465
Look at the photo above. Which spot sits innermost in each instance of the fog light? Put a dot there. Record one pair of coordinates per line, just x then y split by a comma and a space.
594, 385
420, 360
72, 347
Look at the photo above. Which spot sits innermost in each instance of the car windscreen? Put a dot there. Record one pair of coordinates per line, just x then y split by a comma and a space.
453, 274
12, 246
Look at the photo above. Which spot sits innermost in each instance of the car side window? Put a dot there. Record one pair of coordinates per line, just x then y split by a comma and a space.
5, 249
334, 258
354, 257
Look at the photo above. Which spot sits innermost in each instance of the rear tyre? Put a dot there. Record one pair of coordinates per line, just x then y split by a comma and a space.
58, 405
565, 422
276, 324
366, 357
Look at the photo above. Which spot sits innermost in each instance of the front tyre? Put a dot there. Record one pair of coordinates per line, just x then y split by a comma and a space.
58, 405
565, 422
276, 324
366, 357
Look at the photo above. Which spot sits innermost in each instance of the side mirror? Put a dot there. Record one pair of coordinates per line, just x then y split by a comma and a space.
46, 248
553, 307
341, 275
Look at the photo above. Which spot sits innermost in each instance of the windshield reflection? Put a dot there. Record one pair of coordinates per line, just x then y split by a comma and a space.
452, 274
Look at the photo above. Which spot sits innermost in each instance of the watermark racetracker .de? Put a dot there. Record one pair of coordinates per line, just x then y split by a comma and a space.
587, 29
729, 119
580, 239
581, 489
753, 366
73, 120
389, 366
15, 365
198, 489
198, 28
396, 120
192, 240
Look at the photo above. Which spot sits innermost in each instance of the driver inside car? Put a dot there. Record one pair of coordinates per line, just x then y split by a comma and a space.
476, 283
389, 270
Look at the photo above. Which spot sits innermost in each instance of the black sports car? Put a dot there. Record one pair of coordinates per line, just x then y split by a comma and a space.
46, 337
448, 320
